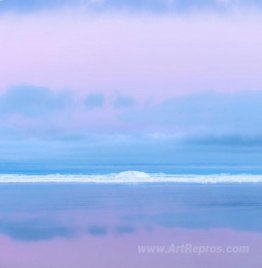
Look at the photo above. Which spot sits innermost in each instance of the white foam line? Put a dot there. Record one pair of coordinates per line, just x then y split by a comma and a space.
131, 177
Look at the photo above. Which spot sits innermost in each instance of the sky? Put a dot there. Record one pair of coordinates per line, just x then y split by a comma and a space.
158, 81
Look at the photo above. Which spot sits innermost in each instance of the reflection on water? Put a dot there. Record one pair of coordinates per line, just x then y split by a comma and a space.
35, 212
80, 215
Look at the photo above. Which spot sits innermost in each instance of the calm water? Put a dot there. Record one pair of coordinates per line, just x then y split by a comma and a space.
89, 225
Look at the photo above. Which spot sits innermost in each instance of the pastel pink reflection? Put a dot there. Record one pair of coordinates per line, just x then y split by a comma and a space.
118, 251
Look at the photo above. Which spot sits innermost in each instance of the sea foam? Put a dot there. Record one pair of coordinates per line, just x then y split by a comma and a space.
131, 177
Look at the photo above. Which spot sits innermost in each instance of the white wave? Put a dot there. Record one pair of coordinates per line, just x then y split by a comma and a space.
131, 177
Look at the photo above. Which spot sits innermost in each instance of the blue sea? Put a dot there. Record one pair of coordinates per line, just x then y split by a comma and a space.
128, 217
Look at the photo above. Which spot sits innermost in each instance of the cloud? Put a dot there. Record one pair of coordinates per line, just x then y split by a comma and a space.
226, 141
94, 101
211, 128
123, 102
212, 116
32, 101
203, 114
134, 5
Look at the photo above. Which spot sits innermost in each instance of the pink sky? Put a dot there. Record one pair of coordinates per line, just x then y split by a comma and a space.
172, 73
141, 55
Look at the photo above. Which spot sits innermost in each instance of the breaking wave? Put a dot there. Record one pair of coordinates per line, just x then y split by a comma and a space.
131, 177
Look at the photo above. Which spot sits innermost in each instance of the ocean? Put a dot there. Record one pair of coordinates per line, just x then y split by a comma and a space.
130, 219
